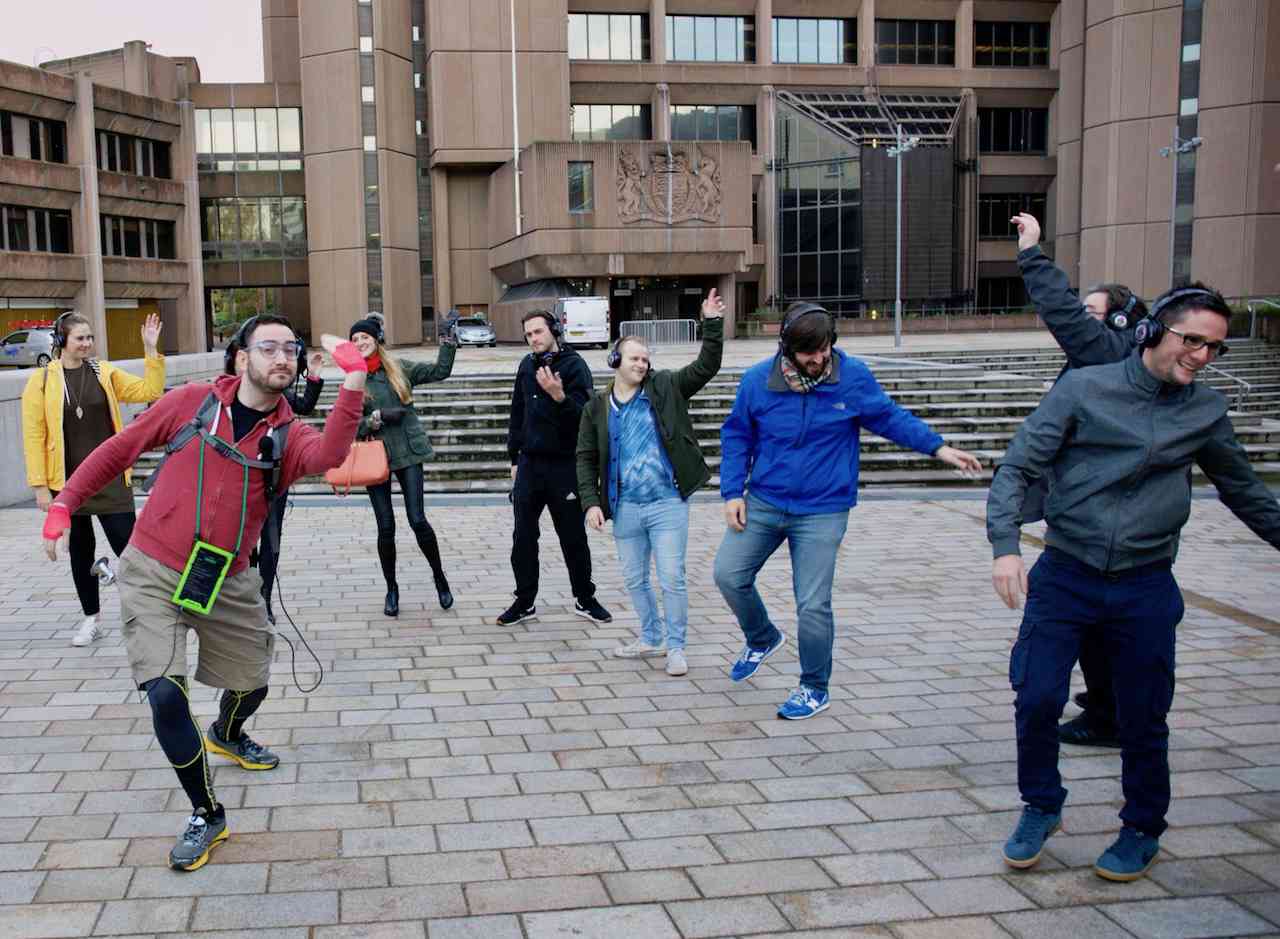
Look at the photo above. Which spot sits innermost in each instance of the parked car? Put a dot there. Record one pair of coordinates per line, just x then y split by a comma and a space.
27, 347
473, 331
584, 320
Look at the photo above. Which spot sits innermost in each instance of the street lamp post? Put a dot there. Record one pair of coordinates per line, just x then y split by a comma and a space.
1178, 148
904, 144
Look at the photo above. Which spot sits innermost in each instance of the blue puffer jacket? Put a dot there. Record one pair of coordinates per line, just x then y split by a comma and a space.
799, 452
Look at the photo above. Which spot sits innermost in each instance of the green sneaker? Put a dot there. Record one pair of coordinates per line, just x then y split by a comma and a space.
202, 833
245, 751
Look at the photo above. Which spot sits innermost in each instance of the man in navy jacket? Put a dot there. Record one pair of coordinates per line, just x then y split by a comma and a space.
789, 472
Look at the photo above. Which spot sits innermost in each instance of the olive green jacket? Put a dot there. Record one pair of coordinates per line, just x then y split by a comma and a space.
406, 442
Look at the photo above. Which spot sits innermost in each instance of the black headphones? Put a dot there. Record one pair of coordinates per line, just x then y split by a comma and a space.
1119, 319
236, 344
794, 315
1150, 330
553, 324
59, 339
614, 359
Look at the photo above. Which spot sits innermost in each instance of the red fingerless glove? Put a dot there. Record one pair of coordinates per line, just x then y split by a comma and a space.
56, 521
348, 358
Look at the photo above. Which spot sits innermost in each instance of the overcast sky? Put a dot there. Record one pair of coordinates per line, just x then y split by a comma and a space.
224, 35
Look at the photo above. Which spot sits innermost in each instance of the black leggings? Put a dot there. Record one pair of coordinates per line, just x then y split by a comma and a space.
380, 496
82, 547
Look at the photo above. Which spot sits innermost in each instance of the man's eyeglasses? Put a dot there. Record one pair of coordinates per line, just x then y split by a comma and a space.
1196, 343
273, 347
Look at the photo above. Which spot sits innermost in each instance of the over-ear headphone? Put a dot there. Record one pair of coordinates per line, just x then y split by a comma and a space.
553, 324
614, 359
1118, 319
1150, 330
797, 312
59, 339
236, 344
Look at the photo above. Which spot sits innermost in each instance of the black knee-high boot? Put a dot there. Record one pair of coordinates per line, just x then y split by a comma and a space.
387, 557
430, 546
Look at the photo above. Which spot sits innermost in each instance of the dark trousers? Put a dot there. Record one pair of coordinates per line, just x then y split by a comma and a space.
269, 560
550, 484
1096, 668
1136, 612
410, 479
82, 547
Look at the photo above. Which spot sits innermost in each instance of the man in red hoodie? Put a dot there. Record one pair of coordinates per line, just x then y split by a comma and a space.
208, 493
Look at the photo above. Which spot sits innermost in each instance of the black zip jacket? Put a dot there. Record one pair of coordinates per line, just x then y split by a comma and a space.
539, 426
305, 404
1121, 444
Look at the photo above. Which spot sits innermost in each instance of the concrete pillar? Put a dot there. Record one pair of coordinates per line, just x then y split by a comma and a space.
764, 32
82, 144
660, 109
440, 239
867, 33
190, 327
767, 205
136, 78
281, 60
658, 50
964, 34
727, 287
967, 193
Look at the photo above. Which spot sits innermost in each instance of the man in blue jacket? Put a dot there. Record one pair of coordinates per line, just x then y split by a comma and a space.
789, 472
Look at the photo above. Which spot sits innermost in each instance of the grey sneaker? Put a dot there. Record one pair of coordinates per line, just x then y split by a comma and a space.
202, 833
676, 664
638, 649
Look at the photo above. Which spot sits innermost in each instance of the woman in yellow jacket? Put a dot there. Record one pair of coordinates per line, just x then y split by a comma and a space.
68, 408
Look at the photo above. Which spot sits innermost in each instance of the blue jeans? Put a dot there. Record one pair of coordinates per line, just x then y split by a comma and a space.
813, 541
1133, 614
660, 529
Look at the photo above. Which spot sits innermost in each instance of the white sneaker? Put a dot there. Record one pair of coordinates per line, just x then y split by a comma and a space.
89, 630
103, 570
638, 649
676, 665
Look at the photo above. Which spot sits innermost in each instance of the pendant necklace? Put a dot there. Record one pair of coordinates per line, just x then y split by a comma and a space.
80, 394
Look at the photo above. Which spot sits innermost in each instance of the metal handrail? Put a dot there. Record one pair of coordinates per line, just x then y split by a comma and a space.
1253, 314
1242, 393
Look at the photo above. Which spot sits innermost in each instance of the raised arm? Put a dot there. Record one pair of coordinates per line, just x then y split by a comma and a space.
1227, 465
693, 377
306, 404
316, 452
421, 373
1084, 339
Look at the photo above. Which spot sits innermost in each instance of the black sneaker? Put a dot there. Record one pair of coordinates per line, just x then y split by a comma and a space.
245, 751
517, 613
592, 610
1085, 733
203, 832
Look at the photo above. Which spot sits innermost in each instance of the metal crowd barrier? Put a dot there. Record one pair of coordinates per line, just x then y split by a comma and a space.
661, 332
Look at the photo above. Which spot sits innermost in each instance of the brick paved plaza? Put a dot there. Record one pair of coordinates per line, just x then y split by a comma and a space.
451, 778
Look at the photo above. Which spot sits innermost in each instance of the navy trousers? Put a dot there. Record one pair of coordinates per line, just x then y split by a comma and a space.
1134, 614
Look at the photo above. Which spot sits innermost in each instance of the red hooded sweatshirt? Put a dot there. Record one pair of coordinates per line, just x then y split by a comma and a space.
166, 528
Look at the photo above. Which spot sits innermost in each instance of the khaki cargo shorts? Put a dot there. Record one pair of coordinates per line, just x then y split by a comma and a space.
236, 641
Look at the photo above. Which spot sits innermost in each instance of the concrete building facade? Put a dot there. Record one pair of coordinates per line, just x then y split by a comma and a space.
410, 157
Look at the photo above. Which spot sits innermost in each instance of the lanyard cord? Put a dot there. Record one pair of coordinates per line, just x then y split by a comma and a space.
244, 498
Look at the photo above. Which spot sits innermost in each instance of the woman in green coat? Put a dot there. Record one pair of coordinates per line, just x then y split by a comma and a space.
390, 417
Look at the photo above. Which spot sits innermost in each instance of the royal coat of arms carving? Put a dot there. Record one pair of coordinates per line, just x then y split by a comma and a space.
681, 184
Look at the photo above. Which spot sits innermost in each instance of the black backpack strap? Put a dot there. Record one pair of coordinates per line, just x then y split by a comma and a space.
204, 416
271, 530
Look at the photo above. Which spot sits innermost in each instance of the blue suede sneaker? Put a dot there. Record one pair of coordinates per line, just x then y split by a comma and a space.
1024, 846
751, 658
804, 702
1129, 857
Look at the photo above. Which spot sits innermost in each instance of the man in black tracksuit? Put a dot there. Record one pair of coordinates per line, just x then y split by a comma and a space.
553, 385
1096, 332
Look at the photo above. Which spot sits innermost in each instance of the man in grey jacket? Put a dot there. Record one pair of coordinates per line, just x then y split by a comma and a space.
1120, 440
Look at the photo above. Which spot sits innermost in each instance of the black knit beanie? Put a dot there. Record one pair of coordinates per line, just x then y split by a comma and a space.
369, 325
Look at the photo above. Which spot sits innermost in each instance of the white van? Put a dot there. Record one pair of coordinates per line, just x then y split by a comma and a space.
584, 320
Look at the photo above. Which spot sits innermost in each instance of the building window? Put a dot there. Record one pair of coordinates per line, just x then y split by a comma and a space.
916, 42
713, 122
815, 41
32, 138
124, 237
261, 229
1183, 223
24, 229
1013, 130
711, 38
248, 139
119, 153
1011, 45
1002, 294
995, 210
609, 37
581, 188
610, 121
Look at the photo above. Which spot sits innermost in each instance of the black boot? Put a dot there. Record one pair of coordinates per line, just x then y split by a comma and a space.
392, 606
446, 595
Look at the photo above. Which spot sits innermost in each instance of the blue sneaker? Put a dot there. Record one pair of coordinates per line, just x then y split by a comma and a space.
1024, 846
804, 702
751, 658
1129, 857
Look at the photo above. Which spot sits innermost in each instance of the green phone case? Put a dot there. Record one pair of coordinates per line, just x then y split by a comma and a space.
207, 563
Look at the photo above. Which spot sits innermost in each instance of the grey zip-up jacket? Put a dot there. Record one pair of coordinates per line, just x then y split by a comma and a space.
1120, 443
